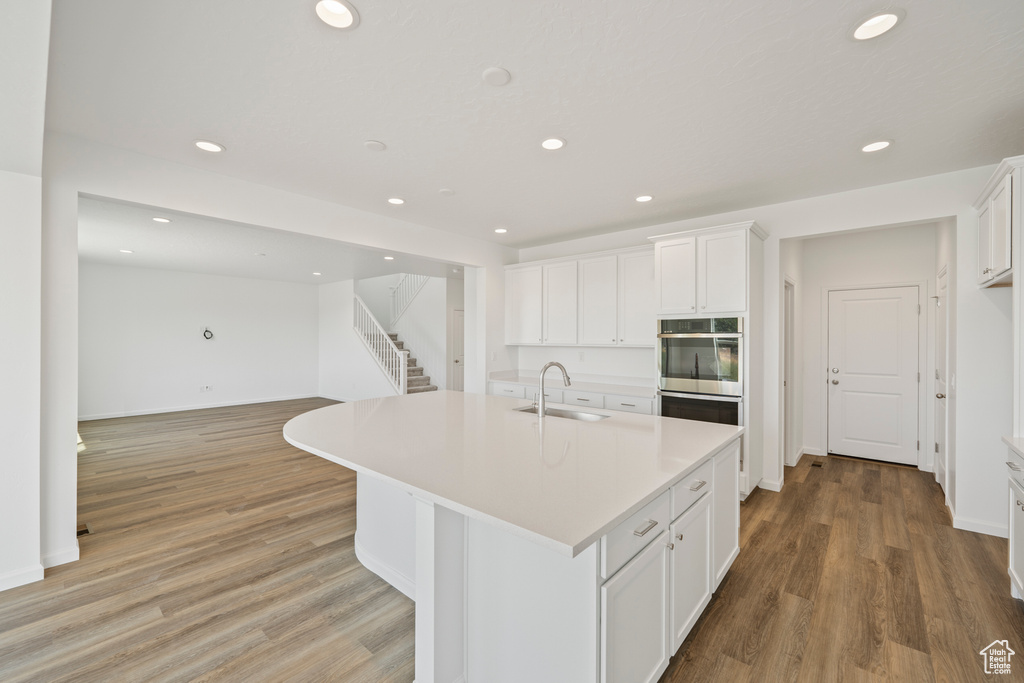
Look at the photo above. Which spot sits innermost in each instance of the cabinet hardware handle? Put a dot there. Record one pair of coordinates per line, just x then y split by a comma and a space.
583, 399
679, 537
642, 531
940, 396
621, 340
1013, 466
699, 485
671, 546
628, 405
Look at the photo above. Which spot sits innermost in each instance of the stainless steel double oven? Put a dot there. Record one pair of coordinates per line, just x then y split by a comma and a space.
700, 369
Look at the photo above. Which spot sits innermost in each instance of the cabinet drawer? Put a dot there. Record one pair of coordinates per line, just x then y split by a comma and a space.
550, 395
630, 537
505, 389
583, 399
690, 488
630, 404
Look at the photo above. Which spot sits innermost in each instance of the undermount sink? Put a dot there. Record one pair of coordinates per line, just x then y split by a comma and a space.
567, 414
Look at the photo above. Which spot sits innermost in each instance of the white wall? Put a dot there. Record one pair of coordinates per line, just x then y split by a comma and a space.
862, 259
424, 329
141, 349
347, 370
20, 201
982, 325
376, 294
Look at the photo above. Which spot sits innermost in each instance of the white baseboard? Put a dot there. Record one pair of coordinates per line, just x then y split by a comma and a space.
69, 554
771, 485
400, 581
980, 526
202, 406
814, 451
19, 577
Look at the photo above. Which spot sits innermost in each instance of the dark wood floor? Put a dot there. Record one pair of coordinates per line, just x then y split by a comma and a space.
220, 553
854, 573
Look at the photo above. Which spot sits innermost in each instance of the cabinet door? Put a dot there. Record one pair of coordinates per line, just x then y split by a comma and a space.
690, 568
1016, 534
597, 294
560, 303
985, 244
634, 618
725, 519
675, 269
722, 272
523, 306
637, 311
999, 217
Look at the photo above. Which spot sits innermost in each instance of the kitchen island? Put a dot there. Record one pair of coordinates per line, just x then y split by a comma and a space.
542, 546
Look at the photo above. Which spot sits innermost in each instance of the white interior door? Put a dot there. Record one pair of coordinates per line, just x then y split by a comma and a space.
873, 373
458, 336
940, 379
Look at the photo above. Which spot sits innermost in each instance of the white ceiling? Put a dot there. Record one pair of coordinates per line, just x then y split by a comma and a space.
205, 245
708, 106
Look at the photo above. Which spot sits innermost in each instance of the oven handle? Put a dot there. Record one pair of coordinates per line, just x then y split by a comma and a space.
702, 397
710, 335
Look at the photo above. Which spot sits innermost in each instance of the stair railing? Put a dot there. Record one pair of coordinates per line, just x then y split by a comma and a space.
393, 361
403, 294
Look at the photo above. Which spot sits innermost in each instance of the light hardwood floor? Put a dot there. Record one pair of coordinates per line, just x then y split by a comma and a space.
220, 553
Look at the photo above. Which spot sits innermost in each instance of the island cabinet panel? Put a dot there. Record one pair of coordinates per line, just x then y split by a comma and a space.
725, 545
690, 568
634, 611
633, 535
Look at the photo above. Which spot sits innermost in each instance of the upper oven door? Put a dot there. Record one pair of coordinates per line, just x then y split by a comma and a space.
701, 363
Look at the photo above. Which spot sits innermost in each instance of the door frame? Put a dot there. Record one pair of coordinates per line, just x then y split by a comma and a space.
450, 346
925, 361
942, 271
789, 404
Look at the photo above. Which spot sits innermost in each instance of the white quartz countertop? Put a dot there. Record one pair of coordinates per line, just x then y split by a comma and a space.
1016, 444
563, 484
554, 381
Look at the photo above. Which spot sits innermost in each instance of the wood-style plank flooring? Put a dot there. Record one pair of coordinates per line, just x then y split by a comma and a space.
220, 553
853, 572
217, 552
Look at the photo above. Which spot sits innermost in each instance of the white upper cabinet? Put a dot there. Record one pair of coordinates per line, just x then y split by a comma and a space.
559, 310
599, 279
675, 272
704, 272
722, 272
999, 211
601, 300
523, 306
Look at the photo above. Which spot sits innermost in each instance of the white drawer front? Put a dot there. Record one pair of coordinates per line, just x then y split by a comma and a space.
550, 395
511, 390
691, 488
580, 398
630, 404
627, 539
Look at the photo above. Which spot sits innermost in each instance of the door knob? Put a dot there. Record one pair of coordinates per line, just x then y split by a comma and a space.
835, 370
940, 396
835, 381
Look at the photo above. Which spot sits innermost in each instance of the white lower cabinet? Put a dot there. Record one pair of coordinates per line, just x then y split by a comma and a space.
1016, 539
634, 604
690, 569
725, 540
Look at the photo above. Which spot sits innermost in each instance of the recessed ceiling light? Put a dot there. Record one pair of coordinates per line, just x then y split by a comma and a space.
317, 273
375, 145
497, 76
875, 146
162, 220
553, 143
126, 251
644, 198
337, 13
877, 24
208, 146
389, 258
500, 231
445, 192
396, 201
259, 253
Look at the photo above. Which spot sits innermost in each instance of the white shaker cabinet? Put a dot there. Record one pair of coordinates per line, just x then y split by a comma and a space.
999, 212
634, 604
690, 569
598, 289
616, 300
636, 323
559, 309
725, 541
1016, 569
722, 272
675, 274
523, 306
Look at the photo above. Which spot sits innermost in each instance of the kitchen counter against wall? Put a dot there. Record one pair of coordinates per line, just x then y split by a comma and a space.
629, 386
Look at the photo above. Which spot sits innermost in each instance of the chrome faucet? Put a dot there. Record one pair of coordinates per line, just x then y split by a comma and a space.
540, 393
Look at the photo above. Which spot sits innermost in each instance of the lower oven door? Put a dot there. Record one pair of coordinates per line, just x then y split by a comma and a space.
702, 407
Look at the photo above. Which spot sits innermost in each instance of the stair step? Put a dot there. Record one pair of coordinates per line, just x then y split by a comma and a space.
399, 344
415, 371
419, 381
412, 363
393, 335
420, 390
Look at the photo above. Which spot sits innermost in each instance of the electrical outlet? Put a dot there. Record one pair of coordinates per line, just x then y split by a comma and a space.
205, 387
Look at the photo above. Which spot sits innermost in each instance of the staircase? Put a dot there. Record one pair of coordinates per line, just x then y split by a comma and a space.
417, 382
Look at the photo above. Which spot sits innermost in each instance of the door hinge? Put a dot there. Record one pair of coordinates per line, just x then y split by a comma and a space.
919, 378
936, 446
919, 445
919, 309
936, 374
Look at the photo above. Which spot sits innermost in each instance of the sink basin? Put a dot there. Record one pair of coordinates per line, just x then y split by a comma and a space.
567, 414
